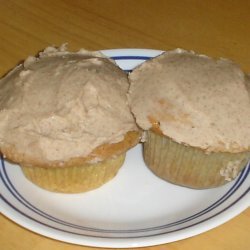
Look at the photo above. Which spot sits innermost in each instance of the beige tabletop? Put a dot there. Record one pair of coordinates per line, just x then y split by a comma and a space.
217, 28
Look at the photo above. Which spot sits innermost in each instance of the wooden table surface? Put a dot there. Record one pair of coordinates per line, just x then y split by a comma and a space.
217, 28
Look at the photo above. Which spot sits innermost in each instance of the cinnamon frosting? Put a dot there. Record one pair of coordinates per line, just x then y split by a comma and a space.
62, 105
193, 99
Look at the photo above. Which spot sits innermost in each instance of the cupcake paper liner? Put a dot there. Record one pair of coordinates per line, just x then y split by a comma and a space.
189, 166
74, 179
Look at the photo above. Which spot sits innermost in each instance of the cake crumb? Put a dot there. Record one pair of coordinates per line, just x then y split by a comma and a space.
231, 170
143, 137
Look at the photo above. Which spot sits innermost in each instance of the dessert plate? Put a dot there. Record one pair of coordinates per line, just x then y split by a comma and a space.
134, 209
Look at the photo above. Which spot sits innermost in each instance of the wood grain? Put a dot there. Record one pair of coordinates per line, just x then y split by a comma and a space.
217, 28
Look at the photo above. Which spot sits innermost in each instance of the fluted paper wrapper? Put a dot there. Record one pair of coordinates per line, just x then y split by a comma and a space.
74, 179
189, 166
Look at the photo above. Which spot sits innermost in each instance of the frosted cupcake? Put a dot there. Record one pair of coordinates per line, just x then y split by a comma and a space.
195, 111
64, 118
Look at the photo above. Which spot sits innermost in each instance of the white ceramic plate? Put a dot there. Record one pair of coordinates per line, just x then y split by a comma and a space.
134, 209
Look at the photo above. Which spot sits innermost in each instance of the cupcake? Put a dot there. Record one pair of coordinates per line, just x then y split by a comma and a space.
65, 119
195, 111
